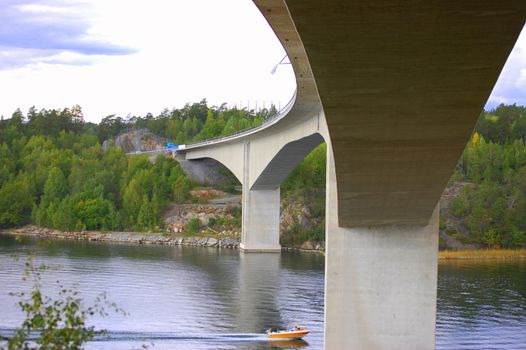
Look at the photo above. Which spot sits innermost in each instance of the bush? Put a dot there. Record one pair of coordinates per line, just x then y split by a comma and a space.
212, 222
230, 188
299, 234
459, 206
236, 212
193, 225
491, 238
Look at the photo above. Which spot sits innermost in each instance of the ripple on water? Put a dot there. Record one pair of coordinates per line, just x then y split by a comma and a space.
181, 298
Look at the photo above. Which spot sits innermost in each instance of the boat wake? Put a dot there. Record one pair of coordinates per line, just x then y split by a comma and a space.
152, 336
173, 338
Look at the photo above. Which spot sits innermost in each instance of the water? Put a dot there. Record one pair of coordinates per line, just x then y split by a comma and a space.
481, 305
200, 298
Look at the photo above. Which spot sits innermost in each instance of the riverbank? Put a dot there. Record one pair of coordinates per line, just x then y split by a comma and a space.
127, 237
158, 238
232, 242
482, 254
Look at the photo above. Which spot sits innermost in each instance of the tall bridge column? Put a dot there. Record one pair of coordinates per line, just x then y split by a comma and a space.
380, 282
260, 214
260, 221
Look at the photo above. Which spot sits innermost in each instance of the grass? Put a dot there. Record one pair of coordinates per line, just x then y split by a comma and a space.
483, 254
203, 233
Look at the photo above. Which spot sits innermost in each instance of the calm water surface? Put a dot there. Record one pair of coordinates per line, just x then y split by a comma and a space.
201, 298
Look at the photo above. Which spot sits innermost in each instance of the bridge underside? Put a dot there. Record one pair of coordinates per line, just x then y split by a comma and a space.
402, 84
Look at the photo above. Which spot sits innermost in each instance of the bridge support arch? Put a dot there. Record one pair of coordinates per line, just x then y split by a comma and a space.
261, 168
261, 191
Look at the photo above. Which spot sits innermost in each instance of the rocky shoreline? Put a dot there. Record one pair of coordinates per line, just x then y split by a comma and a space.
126, 237
146, 238
223, 242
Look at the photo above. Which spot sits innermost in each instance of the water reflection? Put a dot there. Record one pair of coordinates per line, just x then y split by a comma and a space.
258, 282
288, 344
200, 298
177, 297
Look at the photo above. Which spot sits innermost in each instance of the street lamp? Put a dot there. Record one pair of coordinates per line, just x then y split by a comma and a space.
276, 66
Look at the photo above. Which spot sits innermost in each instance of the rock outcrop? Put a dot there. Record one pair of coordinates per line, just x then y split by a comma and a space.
139, 140
215, 210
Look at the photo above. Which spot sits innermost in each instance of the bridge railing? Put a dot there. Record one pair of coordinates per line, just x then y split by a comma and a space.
271, 120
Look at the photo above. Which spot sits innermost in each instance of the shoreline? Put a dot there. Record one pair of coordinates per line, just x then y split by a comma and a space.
150, 238
482, 254
146, 238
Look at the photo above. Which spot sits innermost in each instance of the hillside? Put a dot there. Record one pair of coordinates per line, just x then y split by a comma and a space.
60, 172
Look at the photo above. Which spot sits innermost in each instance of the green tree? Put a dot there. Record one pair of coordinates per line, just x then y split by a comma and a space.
95, 214
180, 188
146, 218
55, 189
16, 202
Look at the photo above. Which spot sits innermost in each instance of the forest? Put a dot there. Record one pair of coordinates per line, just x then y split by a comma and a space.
492, 170
55, 173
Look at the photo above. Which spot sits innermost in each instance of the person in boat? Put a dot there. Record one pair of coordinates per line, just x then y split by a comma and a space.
291, 329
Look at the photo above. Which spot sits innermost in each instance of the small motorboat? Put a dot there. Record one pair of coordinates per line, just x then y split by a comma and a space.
287, 334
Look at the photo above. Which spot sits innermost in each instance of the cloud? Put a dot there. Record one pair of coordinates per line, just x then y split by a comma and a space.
34, 31
511, 85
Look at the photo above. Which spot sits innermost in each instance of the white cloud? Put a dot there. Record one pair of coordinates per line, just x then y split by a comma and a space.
219, 50
511, 85
35, 30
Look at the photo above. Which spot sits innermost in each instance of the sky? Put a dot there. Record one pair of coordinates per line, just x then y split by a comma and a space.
131, 57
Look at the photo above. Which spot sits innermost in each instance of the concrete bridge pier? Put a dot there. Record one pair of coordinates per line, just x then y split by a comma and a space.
380, 282
260, 213
260, 220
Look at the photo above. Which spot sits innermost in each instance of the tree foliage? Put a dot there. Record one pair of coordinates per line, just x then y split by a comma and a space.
309, 173
494, 161
54, 173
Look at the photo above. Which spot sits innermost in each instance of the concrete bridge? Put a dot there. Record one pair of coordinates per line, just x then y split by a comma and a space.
395, 89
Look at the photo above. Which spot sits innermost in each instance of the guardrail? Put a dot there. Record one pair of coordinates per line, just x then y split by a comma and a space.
276, 117
280, 114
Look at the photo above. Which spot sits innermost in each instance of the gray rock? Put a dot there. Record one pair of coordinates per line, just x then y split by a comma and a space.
212, 242
230, 242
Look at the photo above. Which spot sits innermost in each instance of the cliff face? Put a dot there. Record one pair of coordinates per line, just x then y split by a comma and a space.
139, 140
302, 219
211, 211
214, 212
